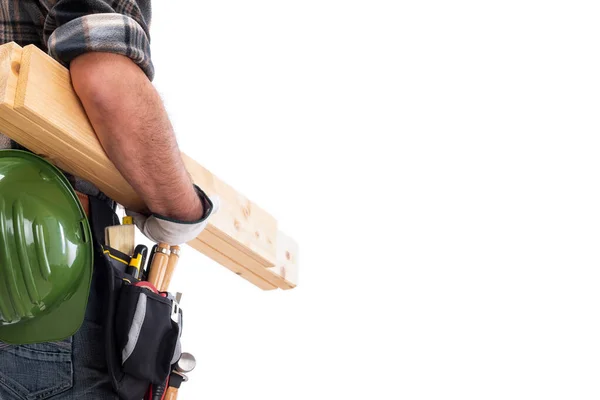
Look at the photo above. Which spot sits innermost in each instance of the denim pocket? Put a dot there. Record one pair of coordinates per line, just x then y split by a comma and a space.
36, 371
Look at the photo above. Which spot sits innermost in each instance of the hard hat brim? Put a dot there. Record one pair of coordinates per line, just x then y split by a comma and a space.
59, 324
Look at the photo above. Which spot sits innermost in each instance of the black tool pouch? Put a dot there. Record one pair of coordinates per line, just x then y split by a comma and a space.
141, 339
146, 336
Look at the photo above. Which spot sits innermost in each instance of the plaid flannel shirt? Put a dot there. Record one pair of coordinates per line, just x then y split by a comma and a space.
68, 28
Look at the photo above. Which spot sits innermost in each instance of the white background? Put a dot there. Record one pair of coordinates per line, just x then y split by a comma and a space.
437, 161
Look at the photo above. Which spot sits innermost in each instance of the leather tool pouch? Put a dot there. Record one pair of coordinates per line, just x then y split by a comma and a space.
141, 338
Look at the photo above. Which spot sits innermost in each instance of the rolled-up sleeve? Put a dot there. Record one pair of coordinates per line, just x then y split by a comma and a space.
74, 27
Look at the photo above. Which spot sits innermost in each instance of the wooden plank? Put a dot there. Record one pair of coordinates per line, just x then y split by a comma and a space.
40, 110
45, 96
231, 264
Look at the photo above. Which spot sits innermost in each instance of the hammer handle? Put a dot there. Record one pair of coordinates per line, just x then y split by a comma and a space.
171, 393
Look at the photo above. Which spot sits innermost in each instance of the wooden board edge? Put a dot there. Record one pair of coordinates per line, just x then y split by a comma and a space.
288, 260
19, 100
230, 264
249, 263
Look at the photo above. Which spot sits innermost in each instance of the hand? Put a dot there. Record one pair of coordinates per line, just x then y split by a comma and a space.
159, 229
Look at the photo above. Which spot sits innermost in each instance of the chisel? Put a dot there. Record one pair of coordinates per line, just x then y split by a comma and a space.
173, 259
159, 265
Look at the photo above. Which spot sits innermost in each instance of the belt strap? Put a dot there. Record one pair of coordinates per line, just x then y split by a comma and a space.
101, 216
85, 202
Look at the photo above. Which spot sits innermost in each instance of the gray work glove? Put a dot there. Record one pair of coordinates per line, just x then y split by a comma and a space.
161, 229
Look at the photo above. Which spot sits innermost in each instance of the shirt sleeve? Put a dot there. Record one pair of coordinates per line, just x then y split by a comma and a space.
75, 27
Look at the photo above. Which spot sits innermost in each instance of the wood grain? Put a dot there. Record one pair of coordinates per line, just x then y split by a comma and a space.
287, 260
239, 222
10, 65
172, 393
121, 237
249, 263
231, 264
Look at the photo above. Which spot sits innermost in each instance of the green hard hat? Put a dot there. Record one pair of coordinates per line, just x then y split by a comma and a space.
46, 252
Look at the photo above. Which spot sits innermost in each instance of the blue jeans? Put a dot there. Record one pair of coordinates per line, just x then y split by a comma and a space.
74, 369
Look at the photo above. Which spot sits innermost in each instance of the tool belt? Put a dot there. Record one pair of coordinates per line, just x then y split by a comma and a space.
142, 326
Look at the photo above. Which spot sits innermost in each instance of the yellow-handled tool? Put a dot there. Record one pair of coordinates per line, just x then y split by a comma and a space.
136, 265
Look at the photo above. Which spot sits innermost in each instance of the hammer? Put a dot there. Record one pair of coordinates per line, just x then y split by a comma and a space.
186, 364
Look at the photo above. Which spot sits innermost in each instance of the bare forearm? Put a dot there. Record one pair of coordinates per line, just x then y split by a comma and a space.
134, 129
